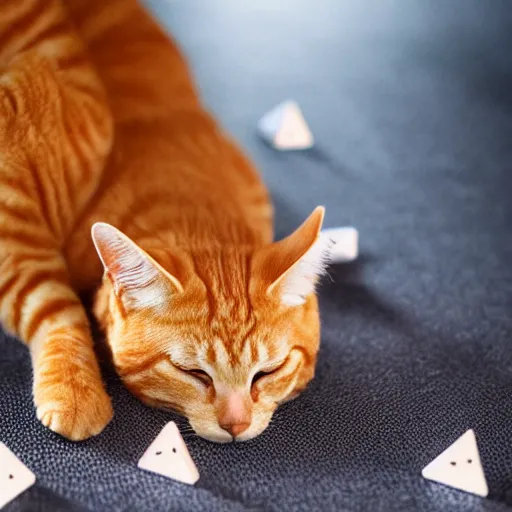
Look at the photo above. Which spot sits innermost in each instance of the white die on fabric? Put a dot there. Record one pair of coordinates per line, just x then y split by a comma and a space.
459, 467
285, 127
168, 456
15, 477
345, 242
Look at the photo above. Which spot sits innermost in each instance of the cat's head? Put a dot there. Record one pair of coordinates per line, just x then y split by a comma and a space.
222, 335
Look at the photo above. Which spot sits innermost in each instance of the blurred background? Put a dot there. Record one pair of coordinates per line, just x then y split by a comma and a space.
397, 94
410, 103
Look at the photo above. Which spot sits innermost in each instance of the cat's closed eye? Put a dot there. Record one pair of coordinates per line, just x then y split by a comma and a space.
259, 376
262, 374
201, 375
266, 373
195, 372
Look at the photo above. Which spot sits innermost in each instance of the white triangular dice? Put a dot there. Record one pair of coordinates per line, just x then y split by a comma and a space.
15, 477
168, 456
345, 243
285, 127
459, 467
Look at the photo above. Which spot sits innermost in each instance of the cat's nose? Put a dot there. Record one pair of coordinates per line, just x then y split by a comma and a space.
235, 429
234, 412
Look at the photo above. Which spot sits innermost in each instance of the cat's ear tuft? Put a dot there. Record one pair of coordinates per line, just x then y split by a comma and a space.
292, 267
138, 280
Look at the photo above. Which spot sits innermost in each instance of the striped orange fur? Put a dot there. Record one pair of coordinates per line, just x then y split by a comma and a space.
101, 126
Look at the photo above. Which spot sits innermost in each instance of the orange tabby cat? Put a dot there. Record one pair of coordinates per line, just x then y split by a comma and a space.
101, 126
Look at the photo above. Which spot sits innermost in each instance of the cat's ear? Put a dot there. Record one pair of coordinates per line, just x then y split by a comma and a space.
138, 280
291, 267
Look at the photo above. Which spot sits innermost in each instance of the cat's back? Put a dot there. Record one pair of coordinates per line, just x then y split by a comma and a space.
143, 71
173, 174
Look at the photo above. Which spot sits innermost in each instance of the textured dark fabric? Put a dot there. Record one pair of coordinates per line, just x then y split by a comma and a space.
411, 105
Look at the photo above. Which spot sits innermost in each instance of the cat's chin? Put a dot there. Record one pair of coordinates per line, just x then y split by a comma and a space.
213, 438
222, 437
216, 438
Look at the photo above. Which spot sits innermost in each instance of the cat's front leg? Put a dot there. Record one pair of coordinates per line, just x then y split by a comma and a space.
68, 389
38, 305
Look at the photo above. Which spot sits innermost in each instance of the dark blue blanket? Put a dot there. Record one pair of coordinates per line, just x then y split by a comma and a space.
411, 105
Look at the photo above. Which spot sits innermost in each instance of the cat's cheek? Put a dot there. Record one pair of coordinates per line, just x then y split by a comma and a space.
209, 430
278, 390
264, 393
292, 396
276, 387
305, 376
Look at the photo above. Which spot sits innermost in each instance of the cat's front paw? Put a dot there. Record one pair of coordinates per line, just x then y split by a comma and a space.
73, 409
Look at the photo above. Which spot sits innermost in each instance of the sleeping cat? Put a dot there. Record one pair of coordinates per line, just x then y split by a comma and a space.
101, 126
